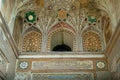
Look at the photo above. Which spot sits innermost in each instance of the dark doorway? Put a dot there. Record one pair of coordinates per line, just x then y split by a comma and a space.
62, 47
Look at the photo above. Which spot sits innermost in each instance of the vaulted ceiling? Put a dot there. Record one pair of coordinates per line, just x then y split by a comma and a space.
71, 11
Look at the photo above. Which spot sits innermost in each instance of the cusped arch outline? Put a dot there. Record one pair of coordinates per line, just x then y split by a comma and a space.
31, 40
98, 42
61, 27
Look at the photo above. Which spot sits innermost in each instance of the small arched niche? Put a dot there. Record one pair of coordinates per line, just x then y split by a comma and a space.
32, 40
62, 40
91, 42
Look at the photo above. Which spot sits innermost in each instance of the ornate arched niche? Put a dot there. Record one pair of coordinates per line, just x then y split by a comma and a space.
91, 42
17, 31
61, 38
32, 40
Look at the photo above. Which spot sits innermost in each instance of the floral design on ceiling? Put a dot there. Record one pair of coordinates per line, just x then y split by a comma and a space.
32, 42
92, 19
100, 64
23, 65
80, 17
62, 14
92, 42
30, 16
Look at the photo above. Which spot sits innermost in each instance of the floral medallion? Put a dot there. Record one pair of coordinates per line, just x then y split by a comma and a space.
23, 65
30, 16
92, 19
100, 65
62, 14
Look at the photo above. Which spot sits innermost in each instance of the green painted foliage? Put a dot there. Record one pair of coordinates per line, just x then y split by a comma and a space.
30, 16
92, 20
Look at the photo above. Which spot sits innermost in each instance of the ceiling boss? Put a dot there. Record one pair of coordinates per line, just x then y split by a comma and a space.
30, 16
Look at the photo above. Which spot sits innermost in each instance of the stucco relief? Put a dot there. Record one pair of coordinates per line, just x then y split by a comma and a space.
101, 65
68, 64
80, 18
23, 65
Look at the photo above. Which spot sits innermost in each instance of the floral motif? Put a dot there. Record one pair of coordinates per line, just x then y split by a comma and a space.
100, 65
62, 14
92, 19
30, 16
23, 65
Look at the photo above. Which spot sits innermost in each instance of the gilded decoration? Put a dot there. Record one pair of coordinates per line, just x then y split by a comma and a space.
72, 15
92, 42
62, 14
83, 25
32, 42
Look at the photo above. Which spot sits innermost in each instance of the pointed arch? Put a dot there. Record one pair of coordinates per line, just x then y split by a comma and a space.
61, 25
32, 40
55, 36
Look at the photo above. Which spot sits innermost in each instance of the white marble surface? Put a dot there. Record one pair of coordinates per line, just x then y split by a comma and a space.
65, 55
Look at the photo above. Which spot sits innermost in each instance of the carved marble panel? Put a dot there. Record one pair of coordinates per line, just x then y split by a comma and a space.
62, 64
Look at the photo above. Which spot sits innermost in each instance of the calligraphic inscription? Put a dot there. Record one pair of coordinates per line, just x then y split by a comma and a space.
62, 77
62, 64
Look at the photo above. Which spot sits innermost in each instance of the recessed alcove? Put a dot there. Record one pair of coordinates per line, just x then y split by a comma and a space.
61, 47
62, 41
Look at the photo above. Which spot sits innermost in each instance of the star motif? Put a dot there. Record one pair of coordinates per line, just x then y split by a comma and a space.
62, 14
30, 16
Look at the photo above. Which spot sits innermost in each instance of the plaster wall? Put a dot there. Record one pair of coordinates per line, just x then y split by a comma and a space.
8, 54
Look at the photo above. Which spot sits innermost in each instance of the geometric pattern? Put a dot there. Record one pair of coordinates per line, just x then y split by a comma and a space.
91, 42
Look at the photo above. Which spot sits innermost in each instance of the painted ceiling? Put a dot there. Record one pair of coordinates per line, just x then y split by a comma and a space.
77, 16
82, 15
